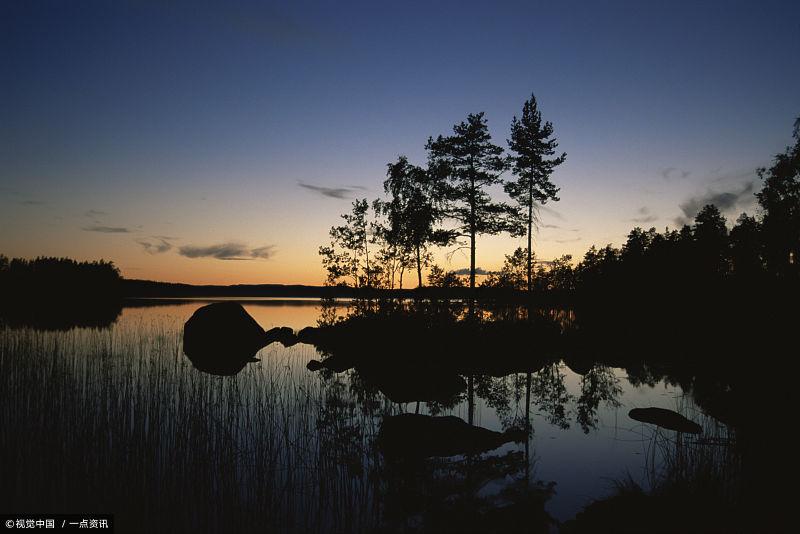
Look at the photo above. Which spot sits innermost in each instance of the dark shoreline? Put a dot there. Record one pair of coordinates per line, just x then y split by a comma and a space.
149, 289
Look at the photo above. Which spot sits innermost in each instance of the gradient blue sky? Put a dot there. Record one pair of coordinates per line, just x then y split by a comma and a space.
163, 135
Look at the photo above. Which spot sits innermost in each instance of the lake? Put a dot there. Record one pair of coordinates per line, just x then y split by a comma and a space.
116, 419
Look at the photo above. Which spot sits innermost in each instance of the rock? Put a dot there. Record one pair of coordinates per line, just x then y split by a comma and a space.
282, 334
665, 419
222, 338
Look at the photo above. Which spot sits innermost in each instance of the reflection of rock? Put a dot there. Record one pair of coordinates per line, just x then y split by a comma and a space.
665, 419
222, 338
418, 386
421, 436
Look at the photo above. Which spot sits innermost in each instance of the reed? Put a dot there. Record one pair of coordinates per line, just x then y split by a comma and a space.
117, 421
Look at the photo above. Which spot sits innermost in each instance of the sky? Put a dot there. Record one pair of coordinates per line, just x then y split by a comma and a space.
217, 142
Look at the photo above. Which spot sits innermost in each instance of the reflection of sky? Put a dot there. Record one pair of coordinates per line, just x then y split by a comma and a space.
268, 312
584, 465
133, 130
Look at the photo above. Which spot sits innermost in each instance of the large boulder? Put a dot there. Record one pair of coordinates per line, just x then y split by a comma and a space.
222, 338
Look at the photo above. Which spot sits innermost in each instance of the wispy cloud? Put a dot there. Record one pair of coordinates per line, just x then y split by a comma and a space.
227, 251
265, 252
645, 216
93, 214
155, 245
32, 202
568, 240
736, 175
343, 192
551, 211
106, 229
674, 172
726, 201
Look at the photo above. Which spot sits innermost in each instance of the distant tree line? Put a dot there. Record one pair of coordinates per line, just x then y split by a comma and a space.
59, 278
447, 202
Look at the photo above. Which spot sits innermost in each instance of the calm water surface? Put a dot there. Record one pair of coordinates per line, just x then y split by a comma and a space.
584, 462
582, 438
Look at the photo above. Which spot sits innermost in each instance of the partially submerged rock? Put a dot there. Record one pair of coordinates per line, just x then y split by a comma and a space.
665, 419
221, 338
282, 334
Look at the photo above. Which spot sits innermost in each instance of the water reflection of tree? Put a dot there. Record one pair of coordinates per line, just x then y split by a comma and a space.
329, 312
340, 431
550, 393
499, 325
600, 384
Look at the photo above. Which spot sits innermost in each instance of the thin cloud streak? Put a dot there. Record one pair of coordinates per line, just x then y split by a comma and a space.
155, 247
227, 251
341, 193
551, 211
674, 172
264, 253
107, 229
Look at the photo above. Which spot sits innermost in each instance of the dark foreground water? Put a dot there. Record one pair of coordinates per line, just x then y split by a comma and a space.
118, 420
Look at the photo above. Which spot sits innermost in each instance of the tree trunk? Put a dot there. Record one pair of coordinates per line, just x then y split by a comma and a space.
472, 258
528, 401
419, 268
530, 239
472, 224
366, 253
527, 429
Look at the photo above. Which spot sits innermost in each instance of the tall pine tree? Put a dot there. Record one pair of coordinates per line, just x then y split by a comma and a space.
533, 146
470, 164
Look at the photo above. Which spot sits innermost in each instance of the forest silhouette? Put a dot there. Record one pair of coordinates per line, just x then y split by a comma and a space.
448, 203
